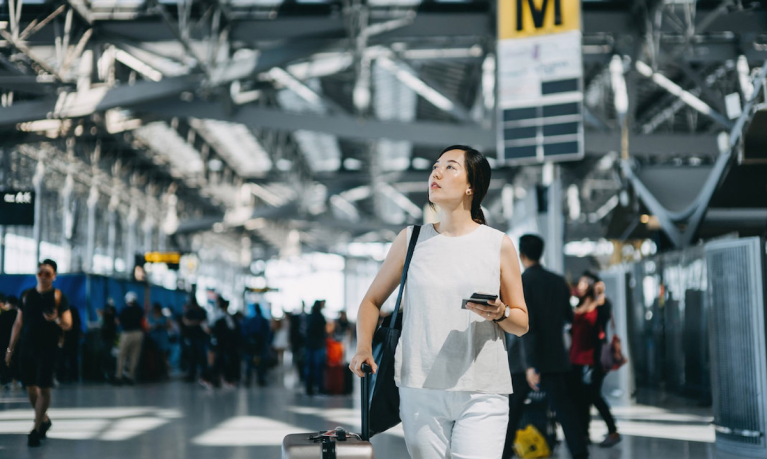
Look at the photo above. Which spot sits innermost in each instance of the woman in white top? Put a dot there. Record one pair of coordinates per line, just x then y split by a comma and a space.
451, 364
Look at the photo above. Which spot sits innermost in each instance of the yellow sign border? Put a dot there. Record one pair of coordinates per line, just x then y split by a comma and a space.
570, 16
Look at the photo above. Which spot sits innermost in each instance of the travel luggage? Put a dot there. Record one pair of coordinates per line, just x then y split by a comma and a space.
151, 363
93, 357
334, 444
334, 352
530, 444
338, 380
538, 415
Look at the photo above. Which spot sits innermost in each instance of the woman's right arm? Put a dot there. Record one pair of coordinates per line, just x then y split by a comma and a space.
383, 285
15, 333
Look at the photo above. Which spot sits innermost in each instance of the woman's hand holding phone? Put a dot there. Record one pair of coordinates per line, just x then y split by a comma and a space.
494, 309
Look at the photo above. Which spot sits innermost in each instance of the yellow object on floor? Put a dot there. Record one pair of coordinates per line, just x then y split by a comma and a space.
530, 444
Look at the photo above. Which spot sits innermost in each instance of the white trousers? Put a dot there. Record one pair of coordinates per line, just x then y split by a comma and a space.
453, 425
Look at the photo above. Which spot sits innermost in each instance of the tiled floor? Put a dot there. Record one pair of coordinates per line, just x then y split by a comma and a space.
177, 420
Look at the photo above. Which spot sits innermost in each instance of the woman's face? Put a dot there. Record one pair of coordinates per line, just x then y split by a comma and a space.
583, 286
448, 181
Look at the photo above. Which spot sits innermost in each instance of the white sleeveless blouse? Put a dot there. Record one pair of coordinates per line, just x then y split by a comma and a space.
442, 346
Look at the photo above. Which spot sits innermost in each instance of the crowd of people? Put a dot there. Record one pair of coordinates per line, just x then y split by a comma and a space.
45, 344
214, 349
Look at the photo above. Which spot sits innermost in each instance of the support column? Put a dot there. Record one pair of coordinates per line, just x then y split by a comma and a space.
130, 246
90, 250
67, 221
162, 240
112, 232
148, 227
3, 168
38, 181
2, 249
555, 220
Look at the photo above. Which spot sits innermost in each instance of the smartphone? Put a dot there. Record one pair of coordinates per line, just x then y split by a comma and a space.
478, 298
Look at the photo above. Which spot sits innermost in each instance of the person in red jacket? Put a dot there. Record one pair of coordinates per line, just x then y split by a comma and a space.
589, 324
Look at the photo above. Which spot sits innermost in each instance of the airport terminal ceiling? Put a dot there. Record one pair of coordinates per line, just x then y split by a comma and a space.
319, 120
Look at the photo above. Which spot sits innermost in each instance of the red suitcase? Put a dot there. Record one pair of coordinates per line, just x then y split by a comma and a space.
339, 380
334, 444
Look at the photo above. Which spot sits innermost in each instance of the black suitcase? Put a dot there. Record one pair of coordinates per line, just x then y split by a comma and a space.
334, 444
538, 414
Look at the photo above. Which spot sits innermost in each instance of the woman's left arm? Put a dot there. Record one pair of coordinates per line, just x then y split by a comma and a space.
511, 294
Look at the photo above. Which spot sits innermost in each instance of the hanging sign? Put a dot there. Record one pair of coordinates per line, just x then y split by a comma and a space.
17, 207
540, 81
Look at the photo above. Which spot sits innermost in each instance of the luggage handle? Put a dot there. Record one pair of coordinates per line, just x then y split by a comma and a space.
367, 369
339, 433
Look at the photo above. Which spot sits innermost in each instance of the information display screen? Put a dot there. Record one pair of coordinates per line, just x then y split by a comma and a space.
17, 207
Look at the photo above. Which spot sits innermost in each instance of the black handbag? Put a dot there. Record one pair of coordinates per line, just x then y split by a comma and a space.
384, 395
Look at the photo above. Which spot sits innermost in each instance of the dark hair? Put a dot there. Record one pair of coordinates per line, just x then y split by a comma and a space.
592, 279
531, 246
478, 175
157, 306
592, 276
3, 298
50, 263
13, 300
317, 306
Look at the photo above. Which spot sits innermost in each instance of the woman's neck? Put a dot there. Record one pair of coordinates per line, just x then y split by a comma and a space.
455, 222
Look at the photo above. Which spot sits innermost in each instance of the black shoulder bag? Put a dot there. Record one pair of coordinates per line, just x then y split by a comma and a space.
384, 396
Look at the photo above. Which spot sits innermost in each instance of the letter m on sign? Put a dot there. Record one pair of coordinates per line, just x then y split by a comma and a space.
538, 14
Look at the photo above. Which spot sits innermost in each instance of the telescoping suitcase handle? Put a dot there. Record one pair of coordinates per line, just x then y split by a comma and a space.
367, 369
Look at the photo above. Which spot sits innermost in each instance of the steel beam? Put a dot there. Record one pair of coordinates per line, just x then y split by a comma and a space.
423, 87
425, 24
653, 205
424, 133
722, 165
696, 212
84, 103
686, 96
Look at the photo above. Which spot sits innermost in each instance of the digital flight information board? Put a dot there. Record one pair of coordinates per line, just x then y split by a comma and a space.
17, 207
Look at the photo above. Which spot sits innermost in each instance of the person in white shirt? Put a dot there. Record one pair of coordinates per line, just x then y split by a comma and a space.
451, 364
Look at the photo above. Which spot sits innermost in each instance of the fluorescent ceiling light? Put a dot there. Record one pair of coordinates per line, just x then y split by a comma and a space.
673, 88
416, 84
321, 65
167, 143
237, 145
292, 83
393, 101
142, 68
446, 53
401, 200
321, 150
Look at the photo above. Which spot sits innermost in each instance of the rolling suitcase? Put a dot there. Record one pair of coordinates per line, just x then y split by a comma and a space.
538, 415
337, 380
334, 444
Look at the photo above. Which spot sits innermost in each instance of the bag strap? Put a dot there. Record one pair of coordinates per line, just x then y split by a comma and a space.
410, 250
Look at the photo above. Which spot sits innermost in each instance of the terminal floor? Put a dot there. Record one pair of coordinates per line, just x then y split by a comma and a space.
177, 420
